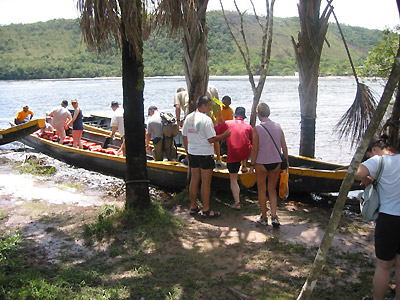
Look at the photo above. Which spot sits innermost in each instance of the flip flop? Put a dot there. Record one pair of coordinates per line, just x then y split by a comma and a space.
194, 211
207, 214
235, 206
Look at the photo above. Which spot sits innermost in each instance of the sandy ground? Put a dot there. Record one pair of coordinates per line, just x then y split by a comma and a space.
31, 204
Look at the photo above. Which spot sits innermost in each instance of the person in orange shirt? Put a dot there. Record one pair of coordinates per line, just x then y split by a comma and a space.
226, 110
23, 114
226, 114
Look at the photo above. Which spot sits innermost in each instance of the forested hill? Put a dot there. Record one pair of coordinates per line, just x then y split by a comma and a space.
55, 49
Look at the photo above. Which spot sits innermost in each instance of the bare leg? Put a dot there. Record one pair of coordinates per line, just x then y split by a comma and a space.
206, 176
273, 177
397, 277
217, 150
235, 187
75, 136
194, 186
80, 146
382, 278
261, 174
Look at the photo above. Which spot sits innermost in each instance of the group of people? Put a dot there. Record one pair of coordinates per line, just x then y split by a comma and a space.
202, 131
59, 120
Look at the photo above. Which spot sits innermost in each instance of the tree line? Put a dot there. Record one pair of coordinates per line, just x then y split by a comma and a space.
54, 49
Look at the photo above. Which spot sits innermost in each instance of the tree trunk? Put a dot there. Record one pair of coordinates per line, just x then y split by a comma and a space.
320, 258
308, 55
394, 123
195, 60
137, 191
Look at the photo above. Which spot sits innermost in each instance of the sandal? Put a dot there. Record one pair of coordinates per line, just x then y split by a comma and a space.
235, 206
207, 214
194, 211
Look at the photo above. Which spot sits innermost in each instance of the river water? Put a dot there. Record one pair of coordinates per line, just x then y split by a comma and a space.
335, 95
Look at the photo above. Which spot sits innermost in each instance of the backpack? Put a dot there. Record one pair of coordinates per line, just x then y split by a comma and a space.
170, 126
369, 199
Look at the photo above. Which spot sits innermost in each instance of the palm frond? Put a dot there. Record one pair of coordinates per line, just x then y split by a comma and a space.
105, 23
354, 122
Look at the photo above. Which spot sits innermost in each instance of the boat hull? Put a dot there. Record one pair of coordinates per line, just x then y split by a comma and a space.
16, 132
167, 175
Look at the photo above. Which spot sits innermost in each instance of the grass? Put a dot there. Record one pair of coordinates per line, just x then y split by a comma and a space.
151, 254
35, 166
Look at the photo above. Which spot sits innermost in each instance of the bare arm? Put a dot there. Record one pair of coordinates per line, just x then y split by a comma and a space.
113, 131
178, 114
220, 137
148, 137
284, 147
254, 149
76, 113
363, 176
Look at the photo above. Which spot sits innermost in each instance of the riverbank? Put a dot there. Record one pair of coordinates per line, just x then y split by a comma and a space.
73, 228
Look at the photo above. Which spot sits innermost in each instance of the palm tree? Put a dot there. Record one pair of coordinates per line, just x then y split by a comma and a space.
119, 21
308, 51
189, 17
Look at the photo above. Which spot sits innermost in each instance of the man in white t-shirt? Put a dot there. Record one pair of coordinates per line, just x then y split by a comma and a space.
60, 116
198, 138
117, 123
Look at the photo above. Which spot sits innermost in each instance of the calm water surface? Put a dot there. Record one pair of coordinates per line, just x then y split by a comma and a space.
335, 95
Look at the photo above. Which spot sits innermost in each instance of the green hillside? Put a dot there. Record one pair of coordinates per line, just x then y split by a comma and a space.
54, 49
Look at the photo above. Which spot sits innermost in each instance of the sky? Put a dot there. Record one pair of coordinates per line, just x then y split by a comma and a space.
363, 13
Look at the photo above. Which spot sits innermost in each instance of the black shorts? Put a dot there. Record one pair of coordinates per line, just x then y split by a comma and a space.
205, 162
233, 167
387, 237
270, 167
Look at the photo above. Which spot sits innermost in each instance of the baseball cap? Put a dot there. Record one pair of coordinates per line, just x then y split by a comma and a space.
240, 112
114, 103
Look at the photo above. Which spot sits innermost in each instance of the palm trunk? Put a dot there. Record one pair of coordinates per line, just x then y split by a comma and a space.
308, 55
195, 61
394, 123
137, 192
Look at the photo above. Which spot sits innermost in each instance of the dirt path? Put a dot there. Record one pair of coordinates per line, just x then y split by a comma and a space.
48, 209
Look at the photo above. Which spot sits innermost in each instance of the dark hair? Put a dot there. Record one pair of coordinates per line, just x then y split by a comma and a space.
202, 100
227, 98
64, 102
377, 142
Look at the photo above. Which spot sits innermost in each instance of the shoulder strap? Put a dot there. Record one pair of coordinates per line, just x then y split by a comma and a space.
271, 138
380, 170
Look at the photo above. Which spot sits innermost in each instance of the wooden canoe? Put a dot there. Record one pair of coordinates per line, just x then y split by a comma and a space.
164, 174
306, 175
16, 132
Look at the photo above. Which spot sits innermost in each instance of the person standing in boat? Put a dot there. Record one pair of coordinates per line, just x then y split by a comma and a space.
181, 103
117, 123
61, 116
77, 125
387, 225
24, 115
198, 138
162, 145
239, 147
266, 162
